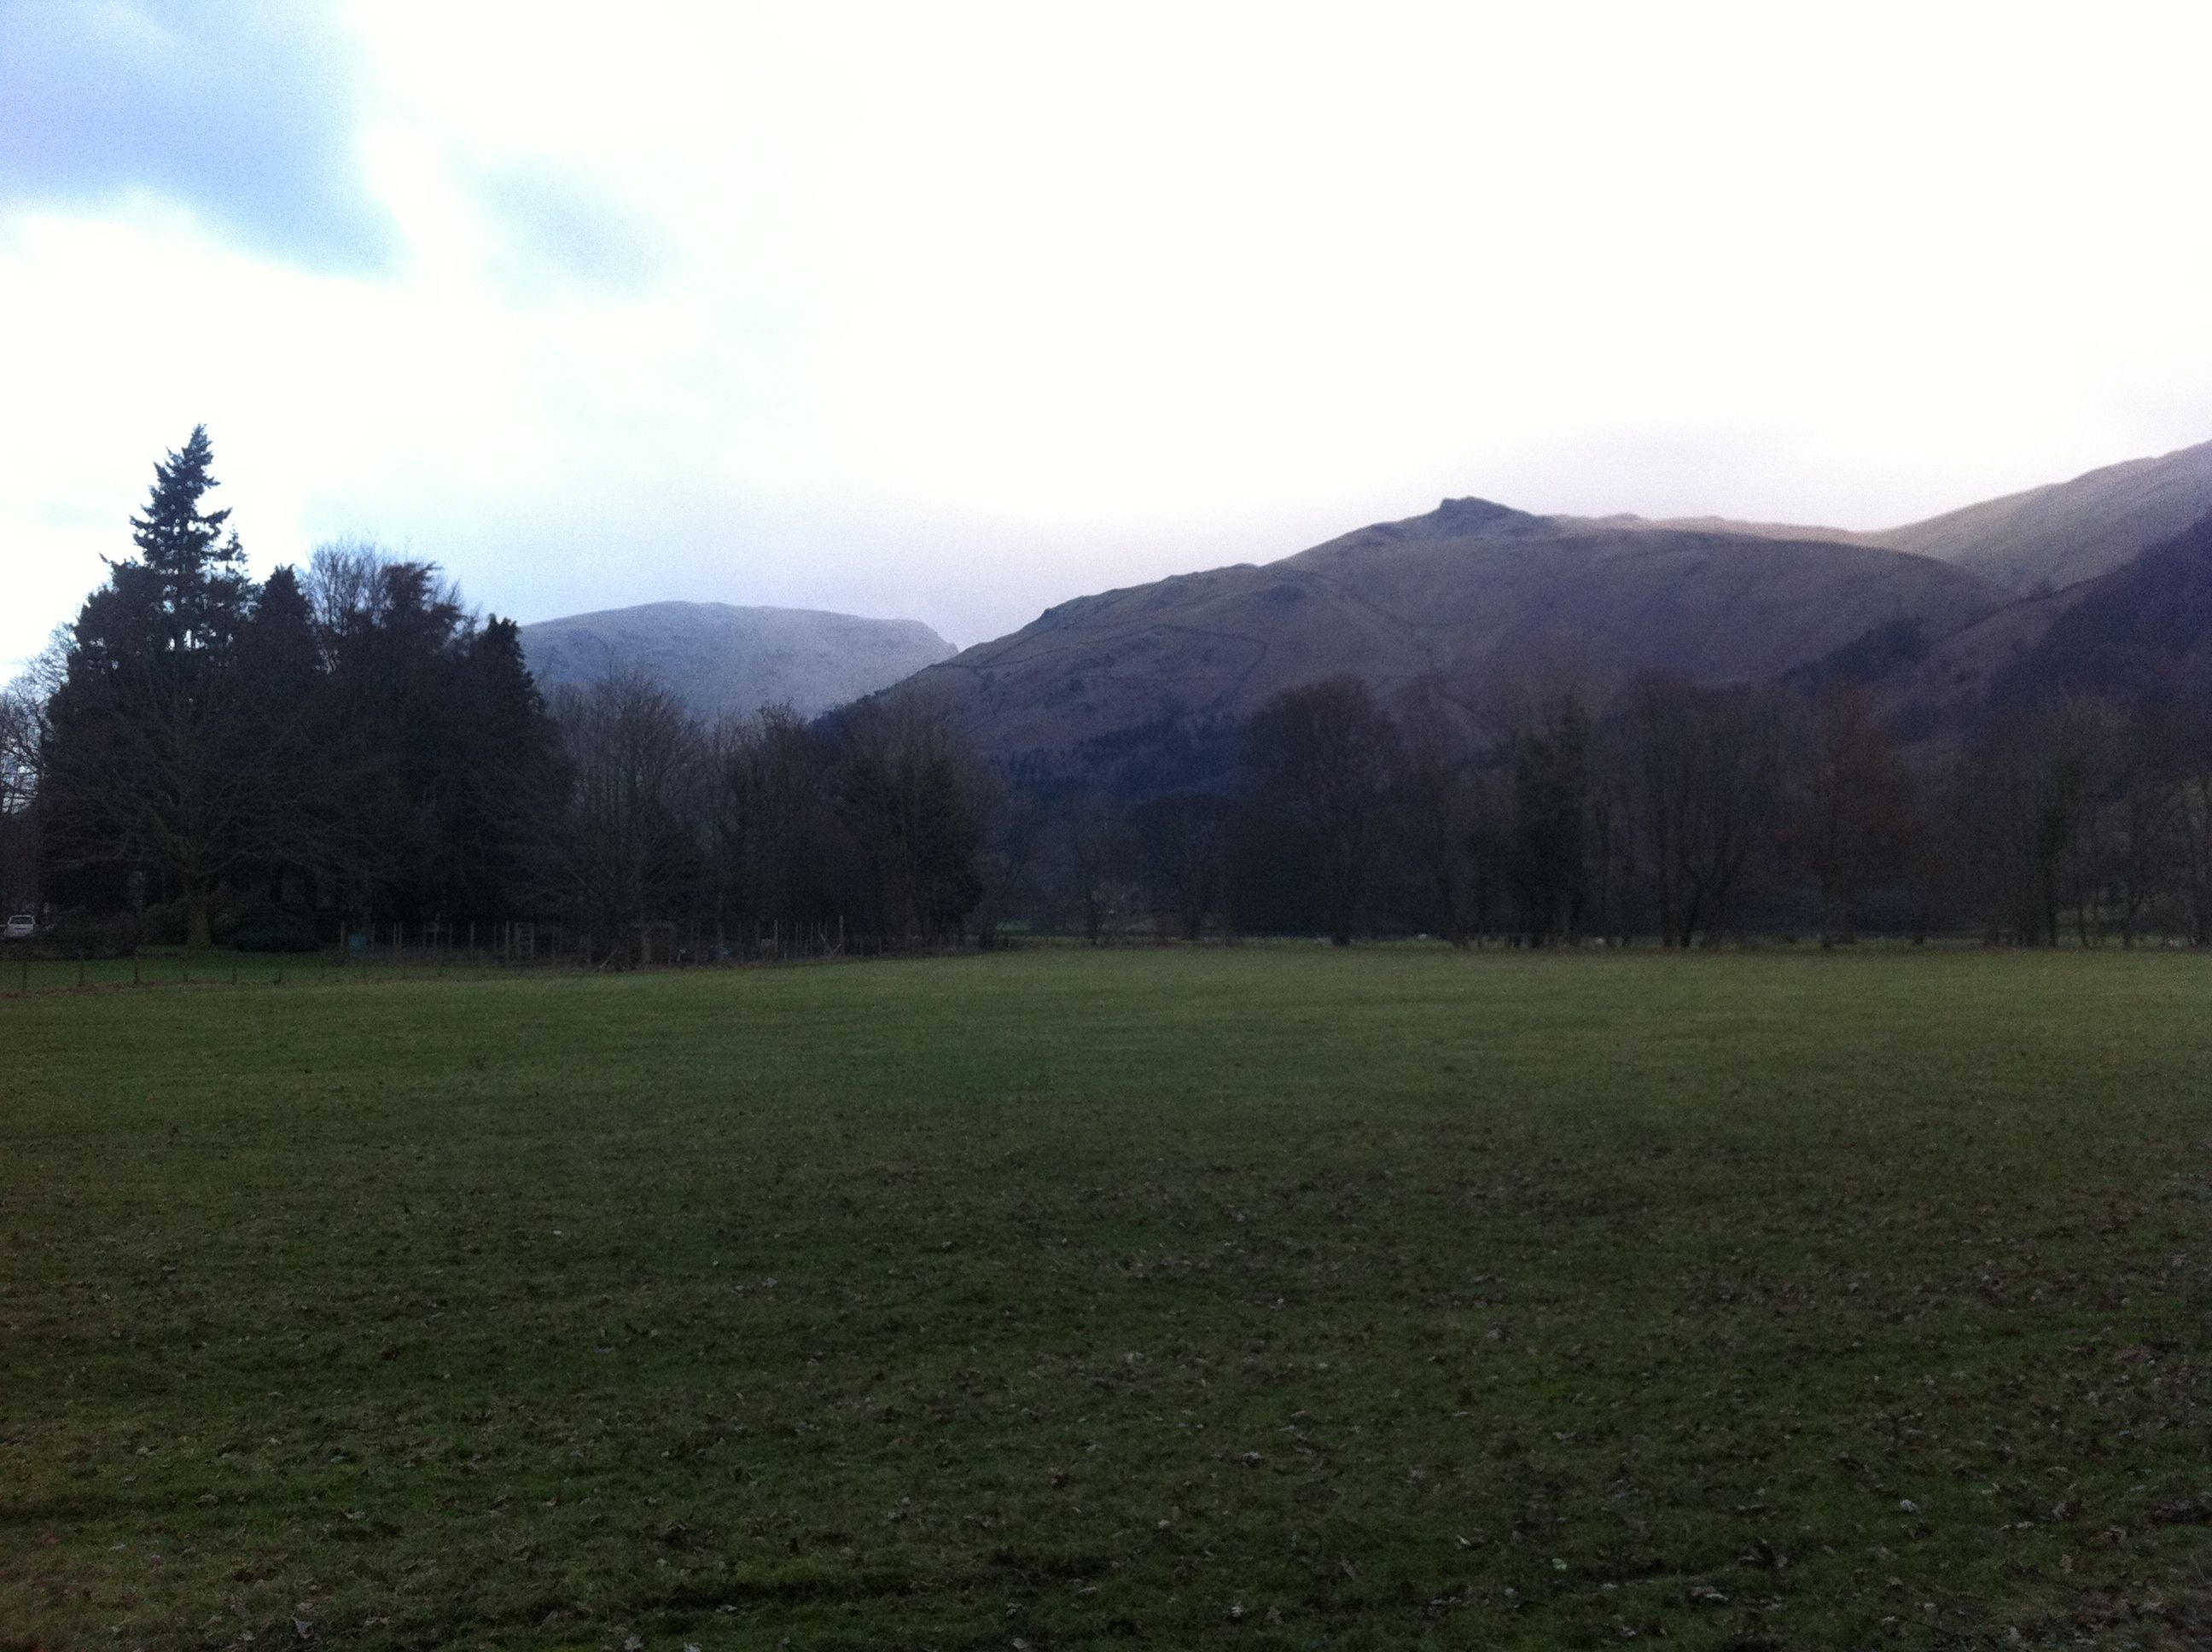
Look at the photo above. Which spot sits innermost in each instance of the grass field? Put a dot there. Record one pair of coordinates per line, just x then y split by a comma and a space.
21, 971
1278, 1299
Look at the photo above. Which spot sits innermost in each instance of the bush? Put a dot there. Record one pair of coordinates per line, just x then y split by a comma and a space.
256, 923
280, 932
168, 923
79, 933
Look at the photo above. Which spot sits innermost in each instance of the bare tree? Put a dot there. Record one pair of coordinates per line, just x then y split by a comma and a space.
909, 796
2191, 841
2015, 809
1182, 844
22, 738
1013, 854
1548, 841
1854, 823
1095, 853
630, 844
1439, 800
1320, 757
1703, 780
778, 818
344, 590
2124, 848
24, 724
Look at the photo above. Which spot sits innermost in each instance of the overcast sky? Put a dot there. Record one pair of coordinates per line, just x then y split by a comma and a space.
952, 311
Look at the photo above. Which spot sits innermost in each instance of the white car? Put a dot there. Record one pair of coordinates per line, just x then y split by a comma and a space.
20, 927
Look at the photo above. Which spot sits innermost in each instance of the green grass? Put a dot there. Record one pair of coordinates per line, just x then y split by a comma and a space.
1279, 1299
36, 970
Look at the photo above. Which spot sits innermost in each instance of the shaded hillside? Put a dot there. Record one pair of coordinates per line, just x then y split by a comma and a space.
1929, 687
723, 660
2143, 632
1152, 680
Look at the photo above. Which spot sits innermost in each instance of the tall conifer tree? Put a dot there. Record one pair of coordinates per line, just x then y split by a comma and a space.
148, 765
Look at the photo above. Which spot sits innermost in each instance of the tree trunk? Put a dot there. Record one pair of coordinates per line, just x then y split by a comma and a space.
200, 933
1842, 917
1686, 923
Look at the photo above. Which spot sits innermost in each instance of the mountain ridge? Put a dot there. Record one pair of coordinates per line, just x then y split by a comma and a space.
2064, 532
1471, 589
2051, 536
721, 660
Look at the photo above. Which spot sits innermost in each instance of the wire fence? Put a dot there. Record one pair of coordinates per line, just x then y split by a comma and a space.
502, 952
30, 970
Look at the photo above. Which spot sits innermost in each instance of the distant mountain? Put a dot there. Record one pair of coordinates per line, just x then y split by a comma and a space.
720, 659
1149, 683
1147, 686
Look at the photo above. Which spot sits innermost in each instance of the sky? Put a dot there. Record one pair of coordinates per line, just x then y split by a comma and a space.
954, 311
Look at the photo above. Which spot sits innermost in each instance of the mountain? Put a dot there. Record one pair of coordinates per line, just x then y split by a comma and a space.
2058, 535
1929, 687
2141, 633
1151, 682
2044, 539
720, 659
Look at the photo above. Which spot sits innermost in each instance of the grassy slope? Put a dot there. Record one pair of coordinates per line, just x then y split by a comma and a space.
1292, 1299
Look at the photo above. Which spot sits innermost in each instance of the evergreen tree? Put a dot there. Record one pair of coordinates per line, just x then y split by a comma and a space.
189, 577
282, 703
506, 772
149, 764
391, 637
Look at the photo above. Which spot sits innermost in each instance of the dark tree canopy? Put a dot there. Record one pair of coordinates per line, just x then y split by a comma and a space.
1318, 764
149, 757
1548, 854
356, 743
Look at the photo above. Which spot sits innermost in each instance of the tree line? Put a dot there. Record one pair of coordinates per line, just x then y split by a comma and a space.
347, 747
1672, 811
